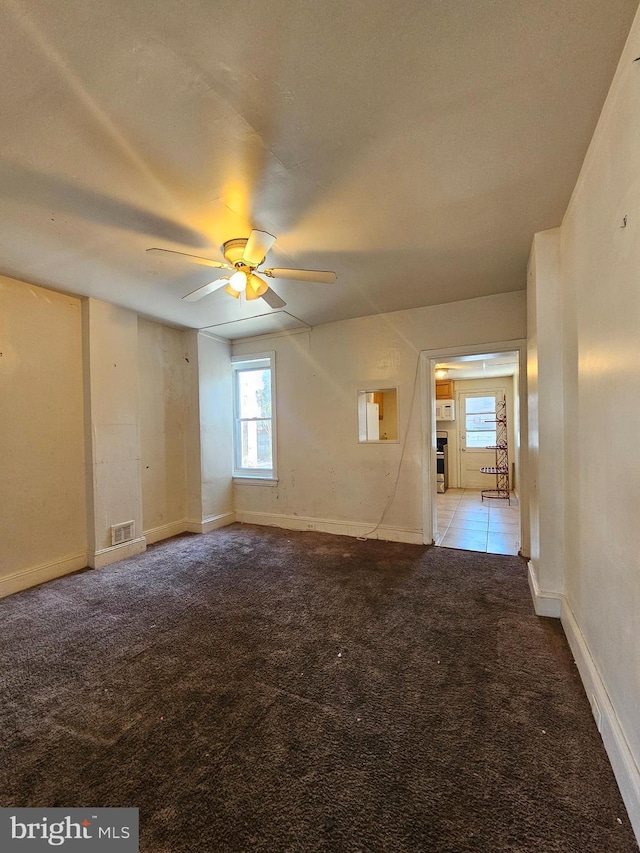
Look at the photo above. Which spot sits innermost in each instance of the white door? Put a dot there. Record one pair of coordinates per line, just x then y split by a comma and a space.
477, 433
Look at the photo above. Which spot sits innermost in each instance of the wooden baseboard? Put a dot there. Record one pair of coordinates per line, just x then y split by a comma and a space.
544, 603
35, 575
105, 556
624, 763
166, 531
326, 525
212, 522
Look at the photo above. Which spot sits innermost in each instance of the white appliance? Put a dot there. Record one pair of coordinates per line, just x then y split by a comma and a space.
373, 422
445, 410
442, 461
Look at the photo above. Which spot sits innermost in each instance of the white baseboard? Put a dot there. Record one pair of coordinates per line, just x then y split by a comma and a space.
26, 578
35, 575
624, 765
544, 603
326, 525
166, 531
106, 556
212, 522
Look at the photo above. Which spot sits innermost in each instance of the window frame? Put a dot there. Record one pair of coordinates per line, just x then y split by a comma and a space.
484, 447
240, 364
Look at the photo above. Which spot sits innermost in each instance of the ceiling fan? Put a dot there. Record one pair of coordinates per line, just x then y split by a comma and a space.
244, 256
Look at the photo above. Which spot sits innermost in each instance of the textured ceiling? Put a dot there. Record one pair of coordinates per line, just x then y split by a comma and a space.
413, 147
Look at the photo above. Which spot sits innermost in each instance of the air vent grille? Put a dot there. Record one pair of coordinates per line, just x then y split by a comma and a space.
122, 532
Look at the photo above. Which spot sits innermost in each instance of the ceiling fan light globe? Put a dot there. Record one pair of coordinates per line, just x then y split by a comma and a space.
238, 281
232, 292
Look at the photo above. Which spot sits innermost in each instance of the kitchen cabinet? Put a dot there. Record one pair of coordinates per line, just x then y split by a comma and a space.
444, 389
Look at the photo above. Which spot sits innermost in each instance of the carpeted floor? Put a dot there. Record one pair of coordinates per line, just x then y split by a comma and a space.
263, 690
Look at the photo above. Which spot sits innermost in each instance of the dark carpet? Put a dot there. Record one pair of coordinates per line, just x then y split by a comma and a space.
262, 690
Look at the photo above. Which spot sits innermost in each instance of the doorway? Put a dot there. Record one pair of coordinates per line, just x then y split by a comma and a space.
471, 513
477, 439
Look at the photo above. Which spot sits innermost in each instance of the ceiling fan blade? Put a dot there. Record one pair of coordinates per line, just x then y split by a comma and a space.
272, 299
258, 245
205, 290
322, 276
205, 262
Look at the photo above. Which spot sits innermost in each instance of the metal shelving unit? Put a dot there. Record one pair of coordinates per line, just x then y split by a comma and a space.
501, 469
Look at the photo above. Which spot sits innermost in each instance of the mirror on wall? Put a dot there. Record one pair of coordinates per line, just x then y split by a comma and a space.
378, 415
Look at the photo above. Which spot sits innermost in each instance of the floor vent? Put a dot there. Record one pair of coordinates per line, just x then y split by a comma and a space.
122, 532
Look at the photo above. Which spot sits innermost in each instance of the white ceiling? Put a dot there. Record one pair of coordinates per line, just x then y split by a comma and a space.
483, 366
412, 146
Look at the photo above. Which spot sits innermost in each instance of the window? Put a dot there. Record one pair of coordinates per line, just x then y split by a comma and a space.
378, 415
480, 416
254, 416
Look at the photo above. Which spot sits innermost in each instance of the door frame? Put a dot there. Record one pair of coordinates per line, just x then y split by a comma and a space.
460, 398
428, 361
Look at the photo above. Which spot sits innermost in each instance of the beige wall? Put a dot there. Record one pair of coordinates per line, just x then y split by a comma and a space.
327, 479
112, 427
164, 412
42, 499
147, 406
186, 417
598, 356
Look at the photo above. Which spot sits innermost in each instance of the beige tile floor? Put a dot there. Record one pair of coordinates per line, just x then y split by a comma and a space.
467, 522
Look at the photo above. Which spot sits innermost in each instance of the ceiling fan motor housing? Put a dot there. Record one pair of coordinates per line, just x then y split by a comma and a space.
233, 250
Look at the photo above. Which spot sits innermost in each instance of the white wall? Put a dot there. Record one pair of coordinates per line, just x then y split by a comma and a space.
545, 372
327, 480
42, 498
599, 297
216, 430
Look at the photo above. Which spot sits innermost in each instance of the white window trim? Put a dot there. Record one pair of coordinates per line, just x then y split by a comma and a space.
257, 476
495, 392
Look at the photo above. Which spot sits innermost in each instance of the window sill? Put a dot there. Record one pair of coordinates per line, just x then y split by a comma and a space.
254, 481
